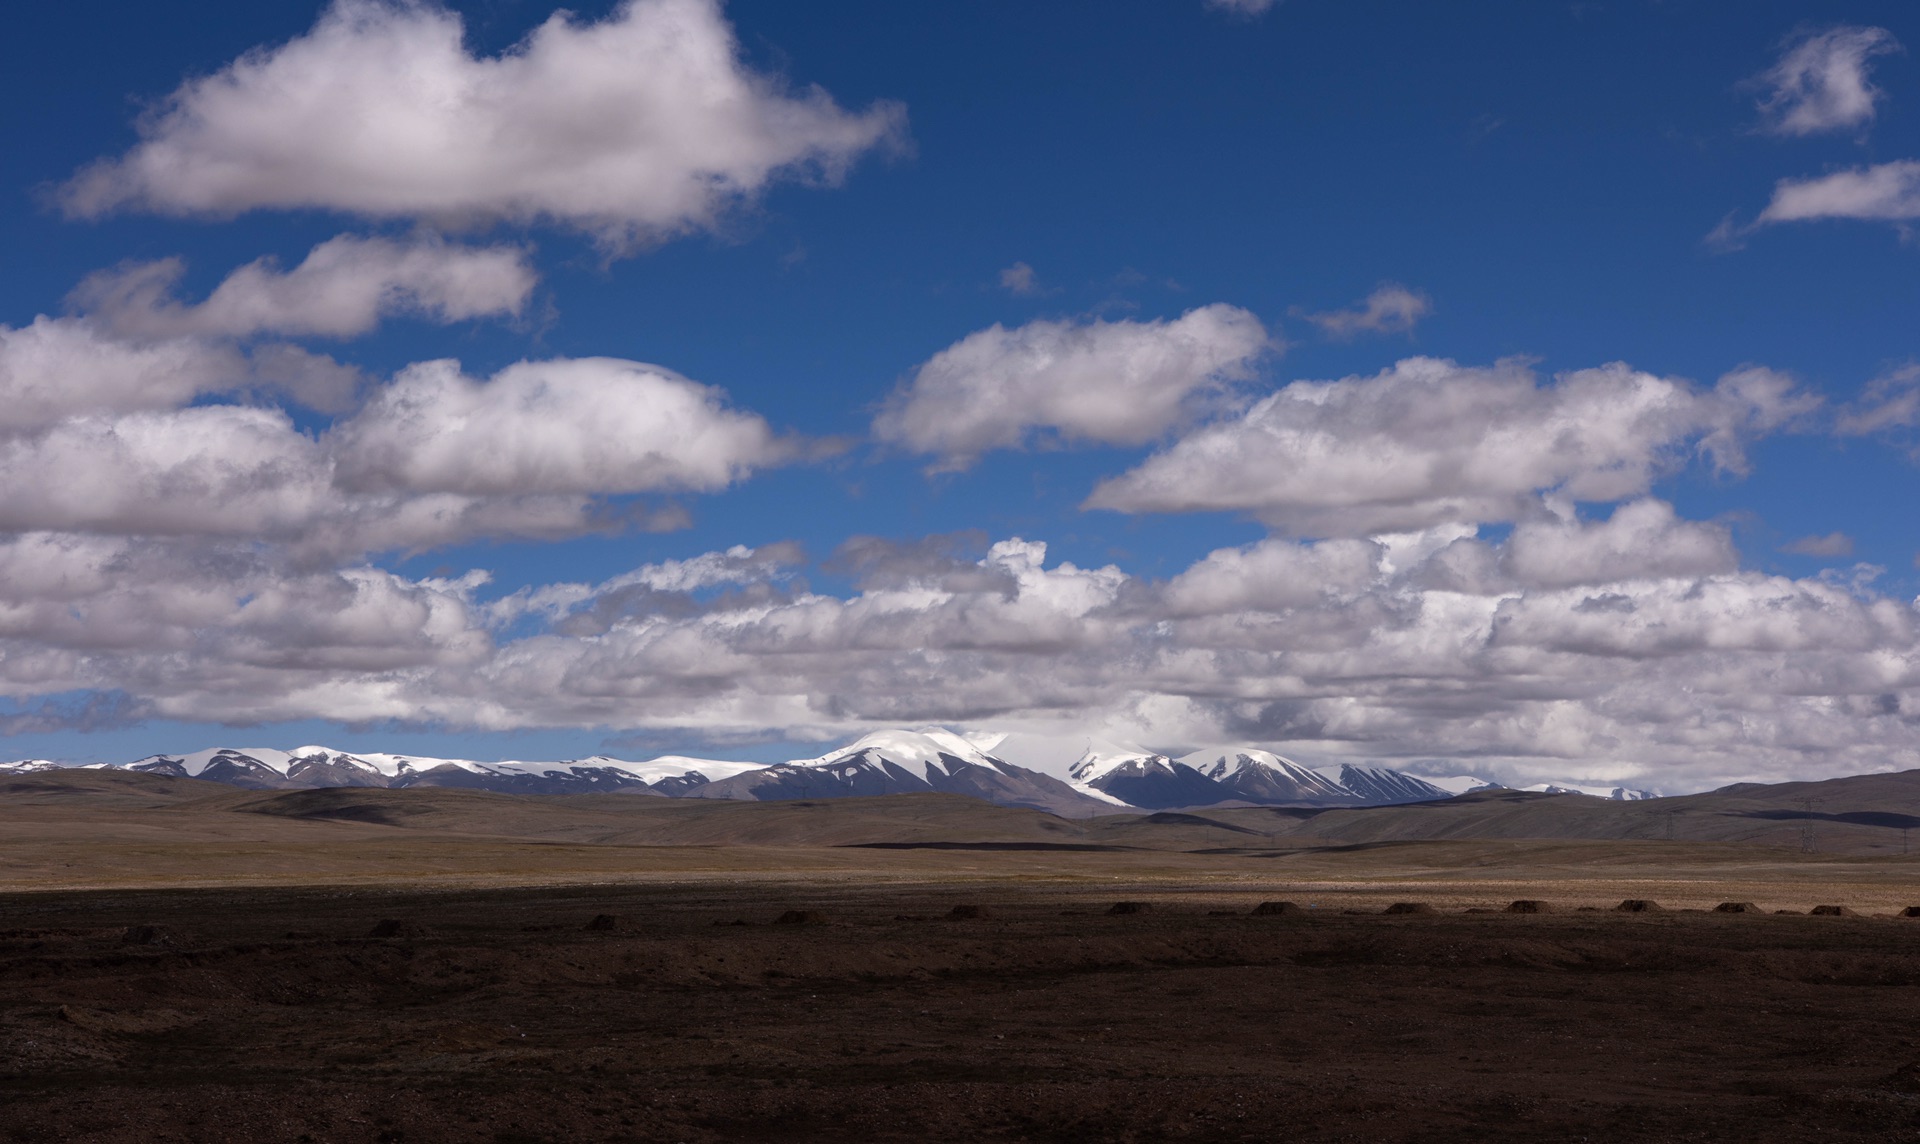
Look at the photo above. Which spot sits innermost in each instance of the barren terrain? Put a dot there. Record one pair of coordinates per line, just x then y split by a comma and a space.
176, 964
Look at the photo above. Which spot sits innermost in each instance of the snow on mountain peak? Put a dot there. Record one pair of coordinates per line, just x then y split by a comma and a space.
1104, 756
913, 751
1250, 772
29, 766
673, 767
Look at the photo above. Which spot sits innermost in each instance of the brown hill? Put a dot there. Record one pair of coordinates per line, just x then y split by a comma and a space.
1859, 814
53, 813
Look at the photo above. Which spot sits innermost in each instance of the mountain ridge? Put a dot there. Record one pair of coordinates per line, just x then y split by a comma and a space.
1108, 778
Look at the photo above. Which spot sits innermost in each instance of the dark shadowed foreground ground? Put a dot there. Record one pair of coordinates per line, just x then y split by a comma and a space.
495, 1015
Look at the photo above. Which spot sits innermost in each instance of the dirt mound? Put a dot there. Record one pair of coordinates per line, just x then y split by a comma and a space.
966, 913
1530, 906
1130, 908
1911, 912
604, 922
1278, 909
393, 927
1832, 912
1411, 908
1737, 908
1639, 906
801, 918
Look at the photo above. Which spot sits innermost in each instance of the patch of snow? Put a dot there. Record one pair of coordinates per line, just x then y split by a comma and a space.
1103, 796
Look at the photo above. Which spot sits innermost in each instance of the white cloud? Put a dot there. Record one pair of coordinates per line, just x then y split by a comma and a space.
1272, 575
341, 289
1391, 309
1642, 539
56, 368
1833, 544
1020, 279
433, 457
639, 126
1109, 382
1662, 664
244, 473
1429, 441
1820, 83
221, 470
570, 426
1886, 192
1890, 402
135, 347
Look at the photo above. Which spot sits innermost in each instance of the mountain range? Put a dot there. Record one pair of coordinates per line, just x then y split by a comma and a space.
1107, 779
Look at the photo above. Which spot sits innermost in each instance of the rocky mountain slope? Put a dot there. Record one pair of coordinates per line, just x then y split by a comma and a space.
909, 762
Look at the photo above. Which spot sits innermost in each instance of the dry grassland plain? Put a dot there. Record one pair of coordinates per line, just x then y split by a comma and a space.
184, 963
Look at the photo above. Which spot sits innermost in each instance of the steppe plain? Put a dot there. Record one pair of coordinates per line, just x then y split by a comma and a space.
180, 961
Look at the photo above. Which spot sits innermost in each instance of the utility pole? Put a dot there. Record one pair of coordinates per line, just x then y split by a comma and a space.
1810, 805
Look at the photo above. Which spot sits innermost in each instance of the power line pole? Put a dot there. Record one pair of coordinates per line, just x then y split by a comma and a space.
1810, 805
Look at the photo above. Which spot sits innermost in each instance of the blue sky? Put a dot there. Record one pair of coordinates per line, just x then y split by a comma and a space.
1555, 186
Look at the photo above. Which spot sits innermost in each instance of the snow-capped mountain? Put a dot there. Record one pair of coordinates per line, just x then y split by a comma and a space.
1143, 779
29, 766
1108, 777
264, 768
1614, 794
1262, 776
1383, 786
906, 762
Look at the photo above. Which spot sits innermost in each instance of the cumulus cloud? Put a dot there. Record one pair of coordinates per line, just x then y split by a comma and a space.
1886, 192
1641, 540
1430, 441
1121, 383
341, 289
243, 472
132, 346
1820, 83
215, 469
1272, 575
56, 368
639, 126
570, 426
1391, 309
1626, 648
433, 457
